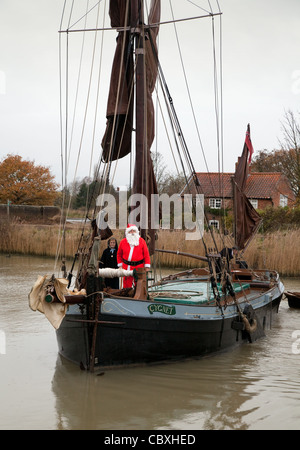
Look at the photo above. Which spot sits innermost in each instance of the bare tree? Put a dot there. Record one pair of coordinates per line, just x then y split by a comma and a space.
167, 182
159, 170
290, 147
287, 159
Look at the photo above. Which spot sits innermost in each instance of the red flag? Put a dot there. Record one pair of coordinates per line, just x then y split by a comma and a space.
249, 144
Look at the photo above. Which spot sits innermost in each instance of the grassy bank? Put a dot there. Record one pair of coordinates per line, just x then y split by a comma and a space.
278, 250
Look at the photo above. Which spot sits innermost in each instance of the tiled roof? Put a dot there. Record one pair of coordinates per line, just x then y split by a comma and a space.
259, 184
262, 185
215, 184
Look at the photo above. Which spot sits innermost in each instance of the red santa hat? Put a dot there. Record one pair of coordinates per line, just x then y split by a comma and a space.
130, 227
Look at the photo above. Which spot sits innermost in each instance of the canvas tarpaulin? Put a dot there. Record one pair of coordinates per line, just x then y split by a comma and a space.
55, 312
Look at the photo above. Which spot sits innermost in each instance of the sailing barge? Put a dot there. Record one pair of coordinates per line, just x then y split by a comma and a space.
173, 320
187, 314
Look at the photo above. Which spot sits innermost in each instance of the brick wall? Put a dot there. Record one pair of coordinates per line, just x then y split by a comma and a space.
30, 214
284, 189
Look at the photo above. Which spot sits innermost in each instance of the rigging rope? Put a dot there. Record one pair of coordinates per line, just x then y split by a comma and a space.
175, 123
67, 155
219, 115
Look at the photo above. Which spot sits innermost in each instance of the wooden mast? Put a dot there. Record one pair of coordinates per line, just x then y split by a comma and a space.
144, 182
137, 24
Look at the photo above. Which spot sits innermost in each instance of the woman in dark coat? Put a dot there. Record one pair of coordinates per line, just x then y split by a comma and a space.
109, 259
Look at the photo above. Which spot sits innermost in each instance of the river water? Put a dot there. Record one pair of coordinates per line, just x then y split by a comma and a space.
255, 386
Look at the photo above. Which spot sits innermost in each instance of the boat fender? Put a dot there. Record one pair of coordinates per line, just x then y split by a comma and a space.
249, 319
250, 328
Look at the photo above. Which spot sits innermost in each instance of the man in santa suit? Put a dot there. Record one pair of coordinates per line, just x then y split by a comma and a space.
132, 253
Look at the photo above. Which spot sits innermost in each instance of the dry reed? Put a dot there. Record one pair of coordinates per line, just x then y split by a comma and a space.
279, 250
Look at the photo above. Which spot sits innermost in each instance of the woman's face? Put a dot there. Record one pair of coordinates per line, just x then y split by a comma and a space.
112, 243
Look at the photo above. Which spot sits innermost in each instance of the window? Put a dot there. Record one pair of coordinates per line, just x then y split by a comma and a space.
254, 203
214, 223
215, 203
283, 200
198, 202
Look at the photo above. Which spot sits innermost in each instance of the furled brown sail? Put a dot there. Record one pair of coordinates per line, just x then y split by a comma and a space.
116, 142
247, 220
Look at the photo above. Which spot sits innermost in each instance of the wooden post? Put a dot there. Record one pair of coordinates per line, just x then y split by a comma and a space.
93, 344
141, 284
8, 203
93, 303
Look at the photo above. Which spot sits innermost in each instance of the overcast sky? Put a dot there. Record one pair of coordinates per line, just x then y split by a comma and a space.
261, 76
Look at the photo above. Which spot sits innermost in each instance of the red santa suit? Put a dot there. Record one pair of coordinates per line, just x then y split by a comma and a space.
136, 253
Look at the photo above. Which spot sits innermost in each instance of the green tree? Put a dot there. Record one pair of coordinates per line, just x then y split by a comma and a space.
87, 192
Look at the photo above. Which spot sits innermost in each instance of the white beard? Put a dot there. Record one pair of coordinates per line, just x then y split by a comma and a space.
133, 239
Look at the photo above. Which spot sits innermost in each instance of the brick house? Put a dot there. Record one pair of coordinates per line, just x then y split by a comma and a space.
263, 189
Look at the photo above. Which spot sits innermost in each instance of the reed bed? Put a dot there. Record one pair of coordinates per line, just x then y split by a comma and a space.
39, 240
279, 250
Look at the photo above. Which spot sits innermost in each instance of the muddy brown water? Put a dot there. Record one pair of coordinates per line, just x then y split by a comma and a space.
255, 386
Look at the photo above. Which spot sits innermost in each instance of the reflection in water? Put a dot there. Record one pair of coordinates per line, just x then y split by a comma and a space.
254, 386
202, 394
242, 389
